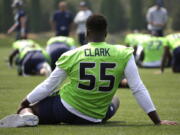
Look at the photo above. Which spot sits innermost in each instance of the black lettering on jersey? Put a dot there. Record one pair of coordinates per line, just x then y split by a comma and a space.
86, 52
102, 51
97, 52
107, 51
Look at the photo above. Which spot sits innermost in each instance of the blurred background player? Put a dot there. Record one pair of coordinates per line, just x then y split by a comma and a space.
153, 51
172, 50
80, 21
58, 45
18, 47
135, 40
20, 17
157, 18
33, 61
89, 97
62, 20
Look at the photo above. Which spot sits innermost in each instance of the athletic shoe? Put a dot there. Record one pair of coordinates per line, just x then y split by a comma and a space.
17, 120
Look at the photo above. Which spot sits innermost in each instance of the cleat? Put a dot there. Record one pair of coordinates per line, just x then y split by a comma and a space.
16, 120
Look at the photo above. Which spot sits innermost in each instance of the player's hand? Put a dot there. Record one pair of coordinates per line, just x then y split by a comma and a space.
24, 104
167, 122
9, 31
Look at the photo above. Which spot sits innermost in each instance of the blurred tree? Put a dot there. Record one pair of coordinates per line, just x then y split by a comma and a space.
89, 4
115, 14
35, 18
136, 16
7, 16
176, 19
56, 2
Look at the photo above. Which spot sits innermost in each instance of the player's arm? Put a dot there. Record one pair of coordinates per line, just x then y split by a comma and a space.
44, 89
11, 56
166, 55
141, 93
12, 28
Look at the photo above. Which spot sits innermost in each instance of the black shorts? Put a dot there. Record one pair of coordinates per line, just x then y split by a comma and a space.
33, 62
51, 111
176, 60
55, 51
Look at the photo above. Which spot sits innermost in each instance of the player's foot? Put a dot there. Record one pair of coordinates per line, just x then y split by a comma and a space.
16, 120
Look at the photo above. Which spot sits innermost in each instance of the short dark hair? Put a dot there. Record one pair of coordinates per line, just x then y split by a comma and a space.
96, 23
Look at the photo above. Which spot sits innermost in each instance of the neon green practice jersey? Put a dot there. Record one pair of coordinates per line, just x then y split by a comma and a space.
153, 49
68, 40
172, 40
135, 39
95, 71
23, 53
21, 44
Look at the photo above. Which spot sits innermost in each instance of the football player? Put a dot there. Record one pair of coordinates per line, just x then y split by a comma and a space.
95, 71
58, 45
172, 50
153, 51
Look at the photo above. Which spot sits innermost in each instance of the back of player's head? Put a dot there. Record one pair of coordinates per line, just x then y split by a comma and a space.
96, 24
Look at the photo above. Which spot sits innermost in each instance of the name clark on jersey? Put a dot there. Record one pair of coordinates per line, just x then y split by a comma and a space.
97, 52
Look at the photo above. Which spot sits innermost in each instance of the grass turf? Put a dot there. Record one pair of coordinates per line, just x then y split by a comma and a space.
129, 120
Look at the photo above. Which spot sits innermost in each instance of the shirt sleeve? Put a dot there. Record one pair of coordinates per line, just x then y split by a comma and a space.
46, 88
139, 90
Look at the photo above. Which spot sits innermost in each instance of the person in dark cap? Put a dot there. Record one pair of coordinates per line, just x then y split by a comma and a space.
157, 18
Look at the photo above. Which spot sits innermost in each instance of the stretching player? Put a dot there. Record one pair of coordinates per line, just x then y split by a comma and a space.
94, 71
18, 46
58, 45
33, 61
172, 50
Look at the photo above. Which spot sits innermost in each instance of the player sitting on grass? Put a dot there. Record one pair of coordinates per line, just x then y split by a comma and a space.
172, 50
58, 45
95, 71
153, 51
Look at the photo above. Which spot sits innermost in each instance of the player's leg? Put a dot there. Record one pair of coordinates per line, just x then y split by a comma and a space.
82, 38
25, 65
115, 103
176, 60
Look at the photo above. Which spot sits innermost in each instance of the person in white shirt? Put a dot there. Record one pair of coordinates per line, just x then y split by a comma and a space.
157, 18
80, 21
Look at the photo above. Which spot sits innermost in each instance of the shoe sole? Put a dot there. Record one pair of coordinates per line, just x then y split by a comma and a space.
16, 120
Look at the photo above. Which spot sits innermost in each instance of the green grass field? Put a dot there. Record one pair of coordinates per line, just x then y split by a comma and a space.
129, 120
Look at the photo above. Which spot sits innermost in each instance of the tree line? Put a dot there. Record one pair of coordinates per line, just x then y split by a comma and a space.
121, 14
